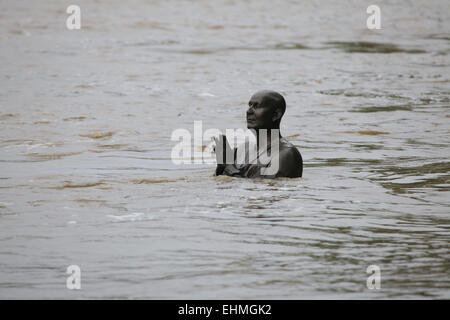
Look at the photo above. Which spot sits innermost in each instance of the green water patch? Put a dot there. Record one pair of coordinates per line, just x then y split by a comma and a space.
291, 46
437, 183
334, 162
437, 167
370, 47
383, 109
349, 93
415, 142
442, 36
369, 146
203, 51
440, 179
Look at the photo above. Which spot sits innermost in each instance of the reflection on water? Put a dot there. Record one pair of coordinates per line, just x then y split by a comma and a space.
86, 177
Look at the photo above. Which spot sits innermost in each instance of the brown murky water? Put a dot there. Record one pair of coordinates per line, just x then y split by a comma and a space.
86, 176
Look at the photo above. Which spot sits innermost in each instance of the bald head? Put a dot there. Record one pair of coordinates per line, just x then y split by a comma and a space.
266, 108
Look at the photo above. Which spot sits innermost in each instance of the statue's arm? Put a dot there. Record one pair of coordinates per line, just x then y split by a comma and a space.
228, 169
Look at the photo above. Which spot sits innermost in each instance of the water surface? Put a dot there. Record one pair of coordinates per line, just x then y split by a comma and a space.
86, 176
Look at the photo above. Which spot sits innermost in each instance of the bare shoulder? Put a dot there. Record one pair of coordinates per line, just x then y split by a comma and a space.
291, 162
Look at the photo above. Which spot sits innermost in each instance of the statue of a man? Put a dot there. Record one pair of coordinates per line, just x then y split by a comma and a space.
266, 108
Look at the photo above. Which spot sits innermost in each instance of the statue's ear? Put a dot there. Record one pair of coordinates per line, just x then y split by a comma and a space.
277, 114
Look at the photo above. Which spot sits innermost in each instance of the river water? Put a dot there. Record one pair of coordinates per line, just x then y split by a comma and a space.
86, 176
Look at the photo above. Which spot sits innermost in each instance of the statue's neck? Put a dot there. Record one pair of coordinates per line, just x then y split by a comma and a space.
269, 133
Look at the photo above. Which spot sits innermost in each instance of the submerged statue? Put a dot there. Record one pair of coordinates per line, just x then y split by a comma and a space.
266, 108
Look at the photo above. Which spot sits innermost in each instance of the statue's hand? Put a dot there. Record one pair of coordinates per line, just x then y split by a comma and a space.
221, 148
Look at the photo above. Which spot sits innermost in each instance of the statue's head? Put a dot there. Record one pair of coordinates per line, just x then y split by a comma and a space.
266, 108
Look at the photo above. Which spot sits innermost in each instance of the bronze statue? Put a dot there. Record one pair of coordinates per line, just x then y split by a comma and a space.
266, 108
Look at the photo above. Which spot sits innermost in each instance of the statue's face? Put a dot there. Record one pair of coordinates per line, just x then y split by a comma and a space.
260, 112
